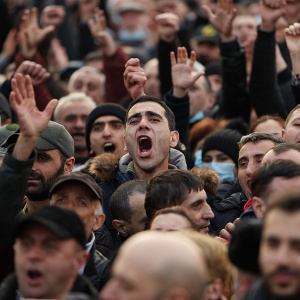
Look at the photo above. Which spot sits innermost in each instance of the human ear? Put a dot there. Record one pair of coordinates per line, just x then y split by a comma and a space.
99, 220
120, 226
174, 138
259, 207
68, 167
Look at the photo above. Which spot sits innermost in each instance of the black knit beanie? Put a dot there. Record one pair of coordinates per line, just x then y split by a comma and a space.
224, 140
106, 109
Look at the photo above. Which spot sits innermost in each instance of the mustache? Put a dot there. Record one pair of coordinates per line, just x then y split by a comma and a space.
36, 175
285, 270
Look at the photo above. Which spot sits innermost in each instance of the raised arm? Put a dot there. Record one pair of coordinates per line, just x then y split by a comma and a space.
292, 37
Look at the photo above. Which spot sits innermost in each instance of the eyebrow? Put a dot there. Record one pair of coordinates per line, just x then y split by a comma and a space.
255, 156
109, 122
148, 112
39, 153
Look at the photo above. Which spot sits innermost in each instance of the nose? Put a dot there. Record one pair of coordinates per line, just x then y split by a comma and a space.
208, 213
250, 169
107, 130
80, 122
35, 253
282, 256
144, 125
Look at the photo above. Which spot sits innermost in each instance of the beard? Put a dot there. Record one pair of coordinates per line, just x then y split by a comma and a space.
40, 191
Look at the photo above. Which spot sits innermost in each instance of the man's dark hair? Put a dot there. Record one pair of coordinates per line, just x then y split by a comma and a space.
170, 188
119, 200
264, 175
289, 203
259, 136
168, 112
284, 147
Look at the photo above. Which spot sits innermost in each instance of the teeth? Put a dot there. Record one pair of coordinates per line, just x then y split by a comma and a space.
108, 144
143, 138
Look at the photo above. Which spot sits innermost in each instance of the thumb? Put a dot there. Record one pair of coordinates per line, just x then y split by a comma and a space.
47, 29
197, 76
207, 11
50, 108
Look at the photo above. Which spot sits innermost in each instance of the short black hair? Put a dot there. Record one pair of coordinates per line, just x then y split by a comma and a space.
119, 200
266, 172
284, 147
170, 188
259, 136
168, 112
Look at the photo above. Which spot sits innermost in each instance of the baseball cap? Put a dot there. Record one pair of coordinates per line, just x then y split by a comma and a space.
6, 131
206, 33
84, 178
63, 223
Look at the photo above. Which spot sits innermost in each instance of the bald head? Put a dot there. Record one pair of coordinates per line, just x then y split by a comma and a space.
155, 264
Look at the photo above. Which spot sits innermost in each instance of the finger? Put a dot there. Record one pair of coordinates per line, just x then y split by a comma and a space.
198, 75
192, 59
48, 111
13, 100
133, 62
28, 87
21, 86
225, 235
230, 227
207, 11
172, 58
184, 55
15, 89
46, 30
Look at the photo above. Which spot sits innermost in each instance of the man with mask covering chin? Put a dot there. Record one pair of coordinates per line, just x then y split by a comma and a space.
131, 31
220, 152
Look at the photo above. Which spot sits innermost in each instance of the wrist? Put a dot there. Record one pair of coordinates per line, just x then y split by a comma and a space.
179, 92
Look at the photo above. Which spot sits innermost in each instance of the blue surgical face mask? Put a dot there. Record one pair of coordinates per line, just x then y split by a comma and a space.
224, 170
134, 37
198, 159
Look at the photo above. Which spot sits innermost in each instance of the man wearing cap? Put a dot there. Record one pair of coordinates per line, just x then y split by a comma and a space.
80, 193
104, 131
49, 251
26, 171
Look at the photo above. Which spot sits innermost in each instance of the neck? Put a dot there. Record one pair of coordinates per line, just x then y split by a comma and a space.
146, 175
33, 205
81, 153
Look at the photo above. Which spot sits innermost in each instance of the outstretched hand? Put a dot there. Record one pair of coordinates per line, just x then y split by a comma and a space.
182, 71
222, 19
32, 121
134, 78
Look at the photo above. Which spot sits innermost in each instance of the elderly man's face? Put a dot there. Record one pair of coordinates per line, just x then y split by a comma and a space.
79, 198
46, 266
90, 84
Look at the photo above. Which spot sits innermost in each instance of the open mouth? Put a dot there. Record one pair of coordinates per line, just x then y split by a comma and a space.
145, 145
109, 147
34, 276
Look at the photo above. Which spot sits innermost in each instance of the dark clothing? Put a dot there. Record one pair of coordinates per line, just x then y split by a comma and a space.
263, 88
97, 269
9, 287
227, 210
257, 292
12, 187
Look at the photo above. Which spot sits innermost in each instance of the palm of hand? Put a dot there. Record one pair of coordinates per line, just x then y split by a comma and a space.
182, 75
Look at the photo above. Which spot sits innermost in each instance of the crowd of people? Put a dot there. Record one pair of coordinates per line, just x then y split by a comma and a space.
149, 149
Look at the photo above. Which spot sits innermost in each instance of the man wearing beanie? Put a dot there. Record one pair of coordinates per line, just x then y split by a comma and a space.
104, 131
220, 152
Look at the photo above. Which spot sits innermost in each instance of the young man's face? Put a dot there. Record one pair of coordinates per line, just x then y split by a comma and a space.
107, 135
250, 158
148, 137
280, 254
46, 266
198, 209
291, 133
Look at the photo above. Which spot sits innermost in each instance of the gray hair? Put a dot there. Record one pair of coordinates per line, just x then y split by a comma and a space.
73, 97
